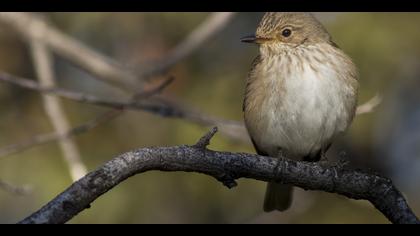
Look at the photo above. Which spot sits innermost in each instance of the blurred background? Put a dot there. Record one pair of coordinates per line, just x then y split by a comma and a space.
384, 46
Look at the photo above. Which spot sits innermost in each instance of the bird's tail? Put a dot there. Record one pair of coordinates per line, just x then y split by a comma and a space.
278, 197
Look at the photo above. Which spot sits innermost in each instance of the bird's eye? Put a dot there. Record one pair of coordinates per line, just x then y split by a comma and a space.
286, 33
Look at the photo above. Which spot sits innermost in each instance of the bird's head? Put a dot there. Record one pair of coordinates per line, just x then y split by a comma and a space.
288, 30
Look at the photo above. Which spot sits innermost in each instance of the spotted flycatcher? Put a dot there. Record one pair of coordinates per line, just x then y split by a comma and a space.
300, 94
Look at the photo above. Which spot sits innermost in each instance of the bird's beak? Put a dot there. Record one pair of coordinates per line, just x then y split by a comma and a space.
254, 39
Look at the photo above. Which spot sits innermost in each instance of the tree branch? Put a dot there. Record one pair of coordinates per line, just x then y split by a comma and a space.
105, 68
102, 67
74, 95
369, 106
17, 190
209, 27
226, 167
53, 107
55, 136
158, 106
102, 118
111, 71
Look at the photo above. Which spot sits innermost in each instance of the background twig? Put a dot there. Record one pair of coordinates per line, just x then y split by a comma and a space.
369, 106
102, 118
213, 24
55, 136
110, 71
106, 68
54, 109
18, 190
102, 67
159, 106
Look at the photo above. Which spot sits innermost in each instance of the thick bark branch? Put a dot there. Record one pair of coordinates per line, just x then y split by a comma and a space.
226, 167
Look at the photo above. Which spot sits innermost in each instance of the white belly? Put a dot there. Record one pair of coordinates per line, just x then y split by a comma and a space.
303, 113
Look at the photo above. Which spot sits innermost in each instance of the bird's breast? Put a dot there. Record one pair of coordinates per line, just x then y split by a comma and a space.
297, 105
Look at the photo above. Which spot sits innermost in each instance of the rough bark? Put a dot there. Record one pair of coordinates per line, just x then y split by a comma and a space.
226, 167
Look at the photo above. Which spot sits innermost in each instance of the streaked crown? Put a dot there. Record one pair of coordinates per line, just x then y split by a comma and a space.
292, 28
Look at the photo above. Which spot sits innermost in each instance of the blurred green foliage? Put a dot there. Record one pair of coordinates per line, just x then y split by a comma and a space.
211, 79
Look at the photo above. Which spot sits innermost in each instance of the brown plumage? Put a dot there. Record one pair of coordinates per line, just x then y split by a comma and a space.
300, 94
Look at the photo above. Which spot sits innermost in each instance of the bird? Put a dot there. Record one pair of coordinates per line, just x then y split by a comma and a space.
300, 94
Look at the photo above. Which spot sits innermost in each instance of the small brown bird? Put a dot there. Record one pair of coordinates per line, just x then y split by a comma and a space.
300, 94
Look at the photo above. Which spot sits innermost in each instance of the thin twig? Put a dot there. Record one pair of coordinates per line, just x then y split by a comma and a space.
106, 68
158, 106
53, 106
111, 71
149, 93
54, 136
100, 119
204, 141
226, 167
100, 66
17, 190
72, 95
213, 24
369, 106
